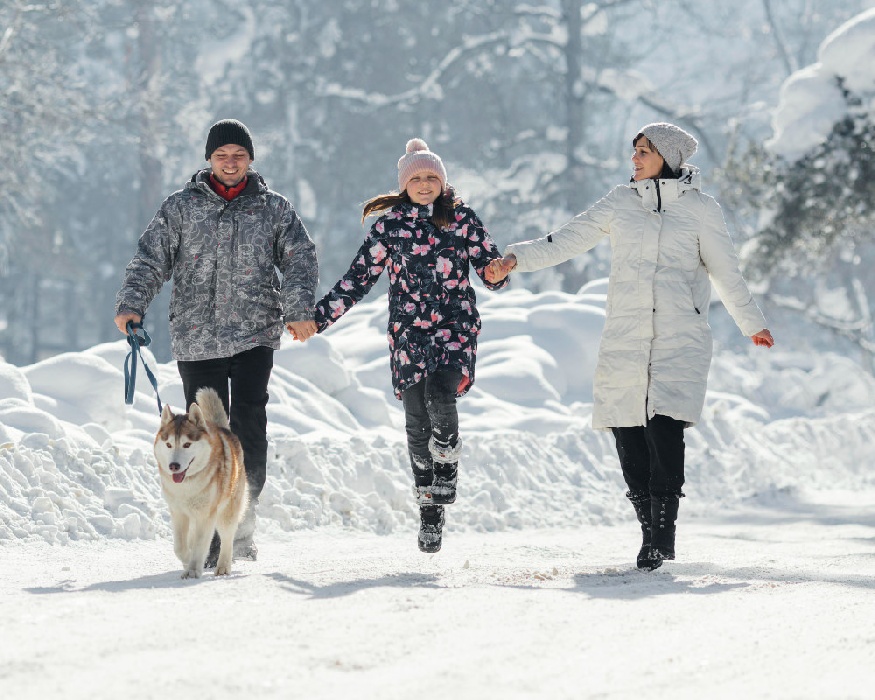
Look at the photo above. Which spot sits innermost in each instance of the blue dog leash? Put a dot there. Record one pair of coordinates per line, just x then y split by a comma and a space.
136, 342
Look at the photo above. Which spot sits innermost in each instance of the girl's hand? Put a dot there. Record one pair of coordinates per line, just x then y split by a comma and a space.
763, 338
301, 330
497, 269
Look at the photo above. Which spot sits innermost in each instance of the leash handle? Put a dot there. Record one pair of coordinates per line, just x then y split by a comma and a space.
137, 342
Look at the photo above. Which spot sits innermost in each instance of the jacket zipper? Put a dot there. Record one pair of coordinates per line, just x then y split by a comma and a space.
658, 196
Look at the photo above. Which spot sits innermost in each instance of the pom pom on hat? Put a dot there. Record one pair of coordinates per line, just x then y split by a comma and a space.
673, 143
416, 159
414, 145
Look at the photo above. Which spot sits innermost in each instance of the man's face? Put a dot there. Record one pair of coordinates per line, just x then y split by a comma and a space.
229, 164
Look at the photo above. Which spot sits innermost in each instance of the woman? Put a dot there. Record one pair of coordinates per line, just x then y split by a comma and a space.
426, 239
669, 243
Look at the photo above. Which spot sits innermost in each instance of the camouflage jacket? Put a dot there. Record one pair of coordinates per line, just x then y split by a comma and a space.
223, 257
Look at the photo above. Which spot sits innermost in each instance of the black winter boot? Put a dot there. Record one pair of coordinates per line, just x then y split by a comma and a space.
443, 490
641, 503
423, 478
431, 525
445, 458
664, 514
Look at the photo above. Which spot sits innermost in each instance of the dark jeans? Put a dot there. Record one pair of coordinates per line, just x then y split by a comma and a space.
652, 456
249, 373
430, 410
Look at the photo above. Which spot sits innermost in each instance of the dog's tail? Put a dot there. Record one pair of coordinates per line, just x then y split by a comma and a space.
211, 406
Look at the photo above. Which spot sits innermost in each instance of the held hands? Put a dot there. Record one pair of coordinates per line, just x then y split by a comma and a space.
763, 338
301, 330
497, 270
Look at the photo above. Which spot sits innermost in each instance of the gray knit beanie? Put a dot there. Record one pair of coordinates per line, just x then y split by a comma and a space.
673, 143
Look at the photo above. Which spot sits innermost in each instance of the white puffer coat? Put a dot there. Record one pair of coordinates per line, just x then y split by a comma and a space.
669, 242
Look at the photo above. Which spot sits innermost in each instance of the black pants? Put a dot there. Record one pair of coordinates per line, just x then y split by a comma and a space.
652, 456
249, 373
430, 410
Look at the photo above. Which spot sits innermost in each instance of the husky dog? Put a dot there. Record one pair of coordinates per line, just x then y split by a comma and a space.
203, 480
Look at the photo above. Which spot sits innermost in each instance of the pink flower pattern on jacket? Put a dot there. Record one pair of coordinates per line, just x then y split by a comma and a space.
433, 319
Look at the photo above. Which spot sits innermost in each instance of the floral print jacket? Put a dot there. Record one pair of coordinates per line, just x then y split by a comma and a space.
433, 319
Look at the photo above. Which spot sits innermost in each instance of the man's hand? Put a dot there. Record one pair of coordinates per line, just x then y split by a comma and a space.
301, 330
763, 338
121, 321
497, 270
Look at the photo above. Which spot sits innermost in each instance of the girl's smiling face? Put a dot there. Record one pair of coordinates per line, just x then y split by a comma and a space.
646, 160
424, 187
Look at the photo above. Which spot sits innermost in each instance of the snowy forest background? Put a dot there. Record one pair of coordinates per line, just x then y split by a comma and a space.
532, 106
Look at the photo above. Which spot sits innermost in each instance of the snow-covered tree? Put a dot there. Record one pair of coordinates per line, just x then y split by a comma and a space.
816, 181
531, 105
42, 114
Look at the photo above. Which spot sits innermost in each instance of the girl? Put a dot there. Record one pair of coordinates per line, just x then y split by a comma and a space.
426, 239
669, 243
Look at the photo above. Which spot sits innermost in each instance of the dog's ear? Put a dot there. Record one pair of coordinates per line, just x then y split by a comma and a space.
166, 415
196, 416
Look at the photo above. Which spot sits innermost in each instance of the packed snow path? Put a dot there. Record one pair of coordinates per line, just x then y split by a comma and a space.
773, 600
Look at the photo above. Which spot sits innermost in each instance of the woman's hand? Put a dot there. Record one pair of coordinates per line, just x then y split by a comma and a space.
497, 270
763, 338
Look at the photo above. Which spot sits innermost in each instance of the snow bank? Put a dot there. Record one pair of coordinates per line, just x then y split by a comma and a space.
76, 462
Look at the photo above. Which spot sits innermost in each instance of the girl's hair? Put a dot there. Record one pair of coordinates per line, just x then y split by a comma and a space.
443, 213
666, 173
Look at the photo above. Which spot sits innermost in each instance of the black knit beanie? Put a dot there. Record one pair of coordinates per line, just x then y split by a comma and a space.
229, 131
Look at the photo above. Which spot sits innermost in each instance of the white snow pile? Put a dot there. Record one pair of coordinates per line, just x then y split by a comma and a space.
76, 462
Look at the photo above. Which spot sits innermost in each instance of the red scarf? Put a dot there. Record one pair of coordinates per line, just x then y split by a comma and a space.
227, 192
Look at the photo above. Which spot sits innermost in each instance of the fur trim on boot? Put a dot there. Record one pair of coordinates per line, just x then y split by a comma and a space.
423, 478
422, 495
443, 490
445, 453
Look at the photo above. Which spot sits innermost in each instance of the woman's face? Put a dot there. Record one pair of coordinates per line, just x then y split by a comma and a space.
424, 187
646, 161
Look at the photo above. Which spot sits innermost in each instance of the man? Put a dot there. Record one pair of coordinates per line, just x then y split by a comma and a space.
222, 238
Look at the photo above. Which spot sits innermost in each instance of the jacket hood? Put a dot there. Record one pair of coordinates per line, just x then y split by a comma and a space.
201, 180
415, 211
688, 178
670, 189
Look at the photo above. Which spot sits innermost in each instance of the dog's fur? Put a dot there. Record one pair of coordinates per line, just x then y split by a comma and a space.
203, 480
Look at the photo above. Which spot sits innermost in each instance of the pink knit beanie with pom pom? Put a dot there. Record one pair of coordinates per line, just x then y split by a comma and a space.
419, 159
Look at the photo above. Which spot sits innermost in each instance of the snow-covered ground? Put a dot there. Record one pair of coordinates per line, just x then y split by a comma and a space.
764, 603
534, 594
